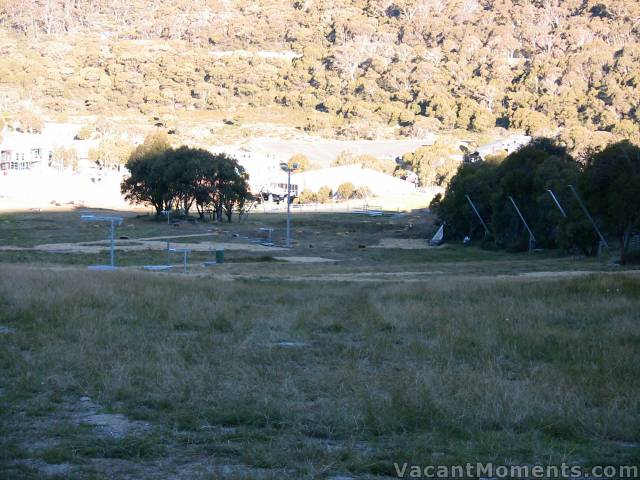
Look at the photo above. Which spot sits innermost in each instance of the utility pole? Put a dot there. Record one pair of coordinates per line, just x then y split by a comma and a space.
112, 250
288, 208
287, 168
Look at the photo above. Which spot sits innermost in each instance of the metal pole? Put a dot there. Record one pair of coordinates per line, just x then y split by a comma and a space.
288, 208
588, 215
486, 230
113, 244
113, 221
564, 214
532, 237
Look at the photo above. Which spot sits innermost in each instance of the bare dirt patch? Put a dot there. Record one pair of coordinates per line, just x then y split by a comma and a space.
306, 259
556, 274
47, 470
567, 274
113, 425
141, 245
359, 277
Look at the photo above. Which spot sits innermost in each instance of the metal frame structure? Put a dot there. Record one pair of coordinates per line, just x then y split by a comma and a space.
114, 221
168, 266
475, 210
603, 242
532, 237
185, 260
268, 242
208, 263
557, 202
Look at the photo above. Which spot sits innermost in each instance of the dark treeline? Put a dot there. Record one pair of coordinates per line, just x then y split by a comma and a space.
608, 182
169, 178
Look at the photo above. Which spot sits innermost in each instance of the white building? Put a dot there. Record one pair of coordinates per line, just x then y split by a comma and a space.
322, 152
34, 151
266, 178
378, 183
506, 146
261, 158
23, 151
263, 168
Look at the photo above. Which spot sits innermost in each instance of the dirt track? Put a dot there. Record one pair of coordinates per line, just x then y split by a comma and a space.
160, 243
141, 244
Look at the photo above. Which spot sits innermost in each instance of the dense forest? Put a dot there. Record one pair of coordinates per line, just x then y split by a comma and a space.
565, 68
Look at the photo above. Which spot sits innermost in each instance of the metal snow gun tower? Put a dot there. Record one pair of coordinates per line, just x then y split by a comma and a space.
532, 238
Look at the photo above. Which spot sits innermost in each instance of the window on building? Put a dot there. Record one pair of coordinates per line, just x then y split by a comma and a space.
36, 154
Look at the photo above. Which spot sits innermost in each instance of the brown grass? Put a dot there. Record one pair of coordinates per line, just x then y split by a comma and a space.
264, 379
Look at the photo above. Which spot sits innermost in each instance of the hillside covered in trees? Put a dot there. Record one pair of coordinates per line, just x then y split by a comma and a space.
562, 68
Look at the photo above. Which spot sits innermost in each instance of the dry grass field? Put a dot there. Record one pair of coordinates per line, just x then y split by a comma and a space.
263, 368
